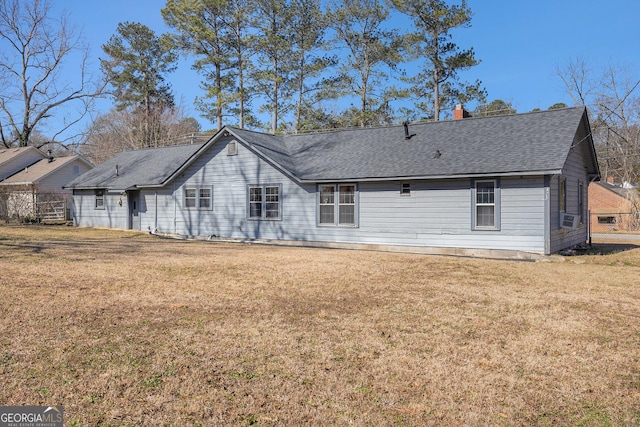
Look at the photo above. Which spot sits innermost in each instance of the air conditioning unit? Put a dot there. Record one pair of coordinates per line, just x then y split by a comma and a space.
569, 221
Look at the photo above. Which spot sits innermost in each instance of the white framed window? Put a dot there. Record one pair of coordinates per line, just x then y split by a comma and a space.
255, 202
486, 205
190, 198
99, 201
326, 204
347, 204
264, 202
405, 189
198, 198
338, 205
204, 198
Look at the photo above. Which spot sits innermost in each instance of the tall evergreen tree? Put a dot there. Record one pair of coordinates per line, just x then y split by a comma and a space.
273, 21
241, 49
308, 27
372, 51
202, 29
438, 80
136, 68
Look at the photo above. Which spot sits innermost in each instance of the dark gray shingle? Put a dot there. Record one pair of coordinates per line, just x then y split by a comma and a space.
139, 168
521, 143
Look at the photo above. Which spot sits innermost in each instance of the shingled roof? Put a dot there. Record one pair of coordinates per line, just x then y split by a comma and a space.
521, 144
139, 168
39, 170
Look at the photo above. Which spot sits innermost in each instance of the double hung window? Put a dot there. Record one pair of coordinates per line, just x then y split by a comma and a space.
337, 204
486, 205
198, 198
264, 202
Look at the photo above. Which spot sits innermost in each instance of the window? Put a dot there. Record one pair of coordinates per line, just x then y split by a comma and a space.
606, 220
264, 202
347, 205
76, 170
405, 189
486, 205
190, 198
580, 201
198, 198
205, 198
99, 204
562, 194
255, 202
337, 205
272, 202
327, 204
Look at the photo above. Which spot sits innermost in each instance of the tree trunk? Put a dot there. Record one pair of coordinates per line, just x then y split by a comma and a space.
219, 102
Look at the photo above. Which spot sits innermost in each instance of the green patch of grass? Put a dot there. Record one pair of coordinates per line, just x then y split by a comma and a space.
593, 416
153, 381
242, 375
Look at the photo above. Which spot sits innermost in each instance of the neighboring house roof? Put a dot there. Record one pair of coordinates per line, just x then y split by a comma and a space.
531, 143
140, 168
15, 159
521, 144
625, 192
38, 171
8, 154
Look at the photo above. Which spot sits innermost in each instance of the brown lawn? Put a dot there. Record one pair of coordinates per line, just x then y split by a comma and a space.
127, 329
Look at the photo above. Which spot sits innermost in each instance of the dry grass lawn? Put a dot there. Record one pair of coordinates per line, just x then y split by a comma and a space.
127, 329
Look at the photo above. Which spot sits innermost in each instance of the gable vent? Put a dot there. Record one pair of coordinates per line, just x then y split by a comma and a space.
232, 148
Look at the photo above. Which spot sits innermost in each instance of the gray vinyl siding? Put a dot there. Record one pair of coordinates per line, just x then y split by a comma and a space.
114, 214
229, 176
573, 172
437, 213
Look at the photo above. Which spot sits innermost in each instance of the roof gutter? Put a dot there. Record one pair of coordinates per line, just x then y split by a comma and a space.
434, 177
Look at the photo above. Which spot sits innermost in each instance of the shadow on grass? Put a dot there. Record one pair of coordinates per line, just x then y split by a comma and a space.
606, 248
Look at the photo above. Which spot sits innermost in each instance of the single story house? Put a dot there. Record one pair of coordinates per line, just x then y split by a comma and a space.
614, 207
37, 190
500, 183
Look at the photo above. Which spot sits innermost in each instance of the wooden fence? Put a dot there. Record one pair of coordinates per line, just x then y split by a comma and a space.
52, 211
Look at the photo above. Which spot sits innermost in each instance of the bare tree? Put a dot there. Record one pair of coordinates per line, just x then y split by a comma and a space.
577, 78
612, 96
33, 82
118, 130
617, 107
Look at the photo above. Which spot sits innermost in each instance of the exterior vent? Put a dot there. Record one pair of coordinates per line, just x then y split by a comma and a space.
232, 148
569, 221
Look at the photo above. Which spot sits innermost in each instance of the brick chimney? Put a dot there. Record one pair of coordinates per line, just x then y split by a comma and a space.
460, 113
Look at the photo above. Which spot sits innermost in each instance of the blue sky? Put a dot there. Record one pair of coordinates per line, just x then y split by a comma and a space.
520, 43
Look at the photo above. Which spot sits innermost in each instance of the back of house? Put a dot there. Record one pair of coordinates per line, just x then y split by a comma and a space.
503, 183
